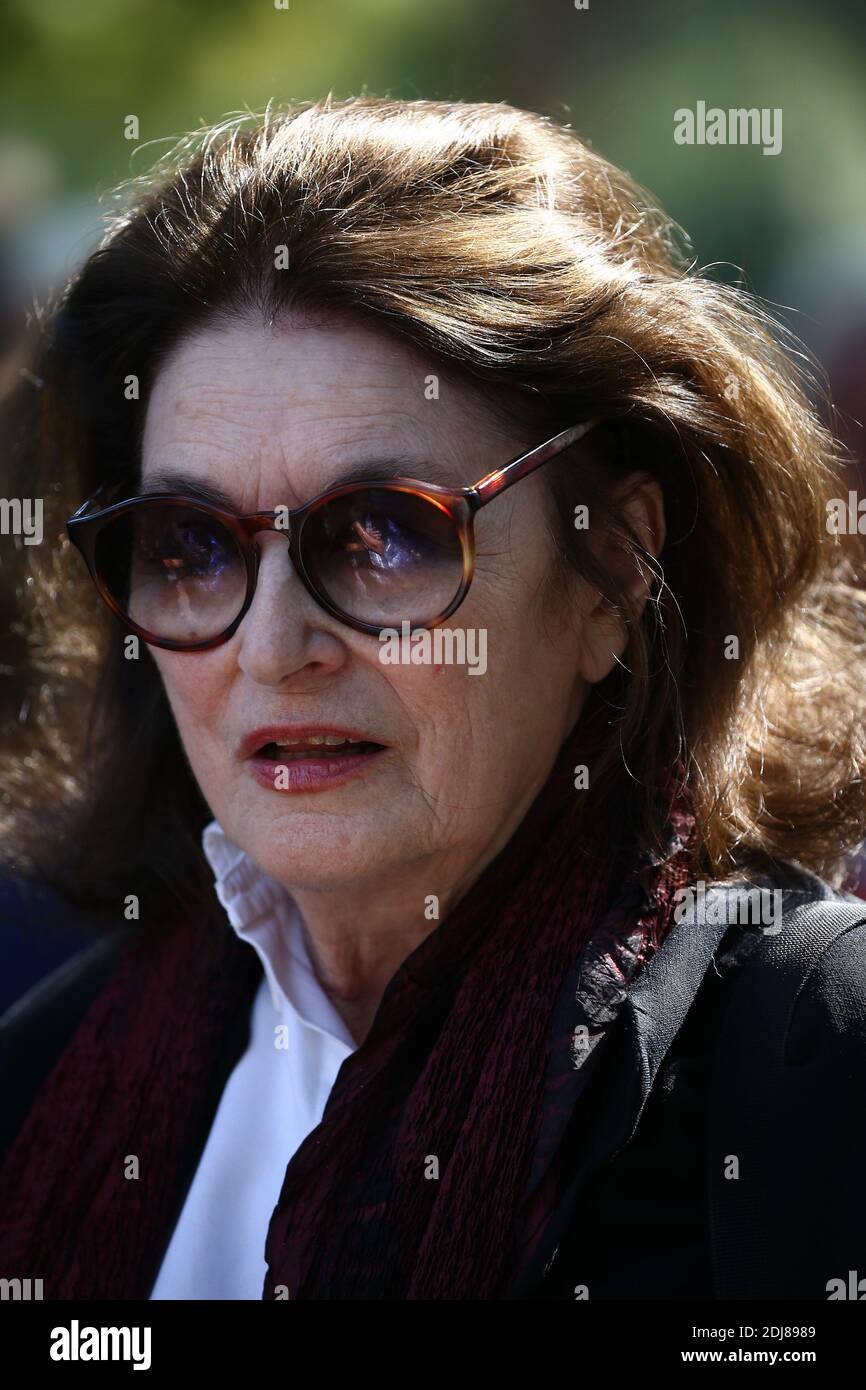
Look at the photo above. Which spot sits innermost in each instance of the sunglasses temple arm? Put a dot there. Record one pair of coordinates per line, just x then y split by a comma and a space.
90, 502
492, 484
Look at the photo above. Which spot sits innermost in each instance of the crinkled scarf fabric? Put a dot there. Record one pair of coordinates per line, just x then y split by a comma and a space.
424, 1178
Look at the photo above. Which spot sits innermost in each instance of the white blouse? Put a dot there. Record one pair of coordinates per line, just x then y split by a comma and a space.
273, 1098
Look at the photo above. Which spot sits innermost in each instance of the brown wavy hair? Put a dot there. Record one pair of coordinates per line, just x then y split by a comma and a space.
502, 246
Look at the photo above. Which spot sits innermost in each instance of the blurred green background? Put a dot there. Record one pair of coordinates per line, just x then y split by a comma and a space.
72, 70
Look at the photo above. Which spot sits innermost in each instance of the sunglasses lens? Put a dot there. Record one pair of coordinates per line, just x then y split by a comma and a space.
174, 571
382, 555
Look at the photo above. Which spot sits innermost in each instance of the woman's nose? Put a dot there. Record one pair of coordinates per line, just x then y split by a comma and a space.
284, 631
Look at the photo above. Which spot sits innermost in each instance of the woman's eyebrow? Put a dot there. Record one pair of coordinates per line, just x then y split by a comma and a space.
170, 481
395, 466
391, 466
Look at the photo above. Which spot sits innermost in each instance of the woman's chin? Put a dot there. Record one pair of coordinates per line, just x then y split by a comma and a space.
341, 858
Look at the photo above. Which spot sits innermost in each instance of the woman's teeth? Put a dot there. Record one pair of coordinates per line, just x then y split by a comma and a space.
332, 740
316, 746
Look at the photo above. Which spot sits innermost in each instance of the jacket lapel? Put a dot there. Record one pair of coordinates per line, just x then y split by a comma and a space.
622, 1073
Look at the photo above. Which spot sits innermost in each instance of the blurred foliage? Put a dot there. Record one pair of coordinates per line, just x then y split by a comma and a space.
72, 70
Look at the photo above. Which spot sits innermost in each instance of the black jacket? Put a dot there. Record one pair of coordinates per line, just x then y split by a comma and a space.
734, 1047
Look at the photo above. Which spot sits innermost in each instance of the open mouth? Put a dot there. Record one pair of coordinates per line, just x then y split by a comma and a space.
325, 749
308, 759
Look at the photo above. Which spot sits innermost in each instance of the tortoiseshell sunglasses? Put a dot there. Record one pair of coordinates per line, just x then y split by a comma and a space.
374, 554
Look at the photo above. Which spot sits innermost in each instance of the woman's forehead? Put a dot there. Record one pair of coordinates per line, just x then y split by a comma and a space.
314, 404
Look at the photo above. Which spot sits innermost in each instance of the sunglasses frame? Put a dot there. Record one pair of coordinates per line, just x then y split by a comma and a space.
460, 504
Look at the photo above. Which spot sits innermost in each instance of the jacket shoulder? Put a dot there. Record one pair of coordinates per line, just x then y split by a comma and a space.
831, 1000
785, 1101
819, 942
807, 971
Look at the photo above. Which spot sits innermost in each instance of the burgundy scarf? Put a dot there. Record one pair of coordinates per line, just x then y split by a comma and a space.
424, 1177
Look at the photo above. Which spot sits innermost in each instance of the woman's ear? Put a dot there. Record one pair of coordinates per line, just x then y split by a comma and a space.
605, 636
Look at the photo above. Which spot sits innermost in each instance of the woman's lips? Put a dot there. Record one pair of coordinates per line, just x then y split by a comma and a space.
304, 768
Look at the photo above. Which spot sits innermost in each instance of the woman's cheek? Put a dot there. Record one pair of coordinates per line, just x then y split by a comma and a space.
454, 716
194, 686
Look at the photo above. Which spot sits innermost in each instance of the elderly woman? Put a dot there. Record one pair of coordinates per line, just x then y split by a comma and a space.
463, 794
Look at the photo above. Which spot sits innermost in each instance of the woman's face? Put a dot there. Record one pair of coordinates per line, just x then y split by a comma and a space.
272, 417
